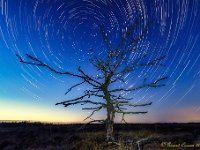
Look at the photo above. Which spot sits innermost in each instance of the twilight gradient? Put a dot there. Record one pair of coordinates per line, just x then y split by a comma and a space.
62, 34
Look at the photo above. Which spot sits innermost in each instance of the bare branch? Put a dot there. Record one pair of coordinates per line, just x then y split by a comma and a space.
128, 33
72, 100
93, 93
105, 38
160, 79
123, 119
134, 105
95, 110
153, 84
94, 120
154, 62
86, 77
120, 97
131, 112
125, 113
100, 65
82, 102
38, 62
19, 57
72, 87
90, 108
41, 64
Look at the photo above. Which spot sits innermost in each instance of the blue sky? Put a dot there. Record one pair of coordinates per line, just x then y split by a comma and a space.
62, 34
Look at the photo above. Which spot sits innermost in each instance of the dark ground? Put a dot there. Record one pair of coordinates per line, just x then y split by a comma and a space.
37, 136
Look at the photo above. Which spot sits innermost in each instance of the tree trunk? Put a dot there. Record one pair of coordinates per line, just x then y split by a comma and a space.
109, 131
110, 124
110, 116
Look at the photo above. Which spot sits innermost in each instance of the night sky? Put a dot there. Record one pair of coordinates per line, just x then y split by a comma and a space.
65, 34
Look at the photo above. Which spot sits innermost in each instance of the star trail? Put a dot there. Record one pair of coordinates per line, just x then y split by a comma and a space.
65, 35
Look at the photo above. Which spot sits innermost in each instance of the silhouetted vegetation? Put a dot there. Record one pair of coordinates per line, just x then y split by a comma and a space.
35, 136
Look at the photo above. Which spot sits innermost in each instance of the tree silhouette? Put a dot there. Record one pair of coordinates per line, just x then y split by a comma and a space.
114, 67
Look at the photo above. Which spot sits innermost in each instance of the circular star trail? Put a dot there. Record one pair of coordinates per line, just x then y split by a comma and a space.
65, 34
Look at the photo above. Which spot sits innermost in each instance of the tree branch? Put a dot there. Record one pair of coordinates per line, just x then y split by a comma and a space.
105, 38
72, 100
138, 112
135, 105
72, 87
82, 102
41, 64
94, 120
153, 84
154, 62
95, 110
86, 77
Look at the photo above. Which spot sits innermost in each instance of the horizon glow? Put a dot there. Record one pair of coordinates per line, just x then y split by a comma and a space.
62, 34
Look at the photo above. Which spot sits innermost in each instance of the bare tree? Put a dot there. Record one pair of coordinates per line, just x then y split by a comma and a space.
113, 68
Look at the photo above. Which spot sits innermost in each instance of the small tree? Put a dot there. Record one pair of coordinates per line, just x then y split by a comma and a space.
114, 67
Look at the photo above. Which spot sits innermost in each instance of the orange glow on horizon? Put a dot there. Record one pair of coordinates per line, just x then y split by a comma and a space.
26, 112
15, 111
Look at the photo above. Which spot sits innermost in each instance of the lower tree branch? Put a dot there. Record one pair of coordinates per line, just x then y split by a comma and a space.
95, 110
